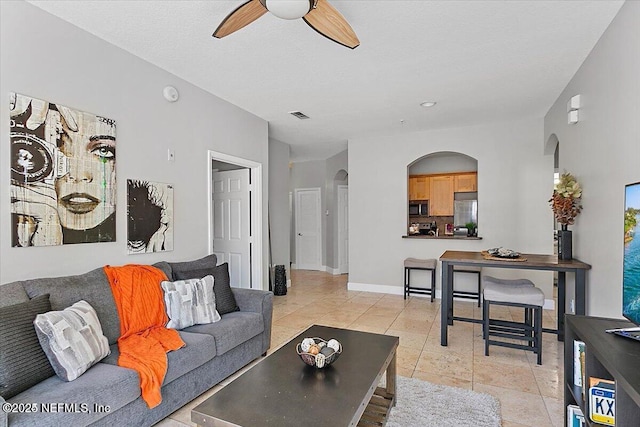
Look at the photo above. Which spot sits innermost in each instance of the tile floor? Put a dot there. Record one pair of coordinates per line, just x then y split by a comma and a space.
530, 395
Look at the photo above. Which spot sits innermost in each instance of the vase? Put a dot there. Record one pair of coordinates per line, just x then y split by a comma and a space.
564, 244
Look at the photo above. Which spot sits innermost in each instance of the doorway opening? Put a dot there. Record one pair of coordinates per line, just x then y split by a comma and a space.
234, 194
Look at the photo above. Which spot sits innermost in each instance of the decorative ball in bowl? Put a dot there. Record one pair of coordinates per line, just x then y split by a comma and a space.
318, 352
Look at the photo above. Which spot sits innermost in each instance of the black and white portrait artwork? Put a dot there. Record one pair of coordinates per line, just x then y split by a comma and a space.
63, 174
149, 216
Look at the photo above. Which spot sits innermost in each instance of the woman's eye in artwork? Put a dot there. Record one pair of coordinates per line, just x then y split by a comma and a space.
105, 152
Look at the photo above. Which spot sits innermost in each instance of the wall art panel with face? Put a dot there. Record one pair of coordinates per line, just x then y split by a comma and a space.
63, 174
149, 216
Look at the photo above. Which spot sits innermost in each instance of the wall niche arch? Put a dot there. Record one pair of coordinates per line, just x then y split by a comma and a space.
442, 195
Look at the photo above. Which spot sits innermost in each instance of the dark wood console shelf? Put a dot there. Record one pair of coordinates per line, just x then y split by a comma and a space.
609, 357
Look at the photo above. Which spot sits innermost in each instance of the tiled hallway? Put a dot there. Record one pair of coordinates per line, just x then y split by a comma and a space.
530, 395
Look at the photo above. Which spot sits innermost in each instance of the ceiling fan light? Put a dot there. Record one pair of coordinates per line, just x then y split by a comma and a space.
288, 9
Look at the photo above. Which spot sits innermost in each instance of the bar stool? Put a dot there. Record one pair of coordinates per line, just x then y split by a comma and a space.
471, 270
513, 293
419, 264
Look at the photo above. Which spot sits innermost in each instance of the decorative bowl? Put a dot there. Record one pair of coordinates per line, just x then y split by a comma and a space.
503, 253
326, 351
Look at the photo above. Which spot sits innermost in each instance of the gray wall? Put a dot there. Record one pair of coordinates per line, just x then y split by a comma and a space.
335, 164
279, 203
321, 174
444, 163
45, 57
603, 152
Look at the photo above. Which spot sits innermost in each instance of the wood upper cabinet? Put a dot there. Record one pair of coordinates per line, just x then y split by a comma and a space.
441, 192
419, 187
413, 187
465, 182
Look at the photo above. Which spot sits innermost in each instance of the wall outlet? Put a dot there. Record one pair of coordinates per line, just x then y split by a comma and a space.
572, 306
171, 155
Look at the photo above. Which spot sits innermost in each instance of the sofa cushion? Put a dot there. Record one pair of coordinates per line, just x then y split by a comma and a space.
72, 339
199, 349
208, 261
233, 329
102, 384
93, 287
225, 301
165, 267
13, 293
22, 361
190, 302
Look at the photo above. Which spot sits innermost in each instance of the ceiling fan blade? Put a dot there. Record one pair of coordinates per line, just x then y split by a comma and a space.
326, 20
240, 18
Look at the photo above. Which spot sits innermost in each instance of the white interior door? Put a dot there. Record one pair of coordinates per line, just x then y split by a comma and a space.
308, 229
343, 229
231, 231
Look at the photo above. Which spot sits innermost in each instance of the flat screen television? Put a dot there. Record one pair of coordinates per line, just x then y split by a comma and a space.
631, 262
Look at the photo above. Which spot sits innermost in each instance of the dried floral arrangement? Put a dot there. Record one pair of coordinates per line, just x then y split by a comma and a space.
565, 201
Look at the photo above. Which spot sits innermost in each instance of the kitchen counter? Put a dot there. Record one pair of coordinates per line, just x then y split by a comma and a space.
424, 236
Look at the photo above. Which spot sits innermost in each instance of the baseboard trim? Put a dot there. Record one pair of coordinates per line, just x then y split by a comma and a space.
549, 304
380, 289
288, 283
324, 268
332, 271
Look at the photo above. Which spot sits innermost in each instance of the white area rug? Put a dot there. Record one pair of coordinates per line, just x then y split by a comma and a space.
420, 404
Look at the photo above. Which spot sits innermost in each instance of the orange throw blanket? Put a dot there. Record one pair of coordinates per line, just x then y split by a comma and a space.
144, 340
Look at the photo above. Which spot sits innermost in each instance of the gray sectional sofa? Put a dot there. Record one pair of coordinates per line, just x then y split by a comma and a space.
213, 352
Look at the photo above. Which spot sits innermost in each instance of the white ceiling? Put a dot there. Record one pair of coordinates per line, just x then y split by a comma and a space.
482, 61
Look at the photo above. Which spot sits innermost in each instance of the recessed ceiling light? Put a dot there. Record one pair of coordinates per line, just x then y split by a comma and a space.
427, 104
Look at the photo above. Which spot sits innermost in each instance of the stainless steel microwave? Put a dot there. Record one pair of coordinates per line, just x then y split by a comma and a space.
419, 208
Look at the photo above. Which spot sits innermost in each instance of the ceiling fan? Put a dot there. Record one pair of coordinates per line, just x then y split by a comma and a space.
318, 14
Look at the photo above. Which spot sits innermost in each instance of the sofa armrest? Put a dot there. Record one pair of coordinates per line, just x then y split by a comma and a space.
4, 417
257, 301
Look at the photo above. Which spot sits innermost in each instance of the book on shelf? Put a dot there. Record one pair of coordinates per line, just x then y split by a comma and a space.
578, 365
575, 417
602, 401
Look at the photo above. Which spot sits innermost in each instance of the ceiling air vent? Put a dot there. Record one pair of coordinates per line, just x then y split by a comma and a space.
299, 114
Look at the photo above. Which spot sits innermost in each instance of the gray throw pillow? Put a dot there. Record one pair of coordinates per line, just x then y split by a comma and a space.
225, 301
72, 339
185, 268
190, 302
23, 364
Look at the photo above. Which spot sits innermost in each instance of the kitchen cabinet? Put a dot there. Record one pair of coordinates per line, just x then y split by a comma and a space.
465, 182
413, 187
441, 195
419, 187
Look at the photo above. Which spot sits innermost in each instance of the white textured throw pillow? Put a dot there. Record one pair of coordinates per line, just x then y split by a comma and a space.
190, 302
72, 339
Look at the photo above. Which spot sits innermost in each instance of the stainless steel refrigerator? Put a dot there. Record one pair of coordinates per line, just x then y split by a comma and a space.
465, 211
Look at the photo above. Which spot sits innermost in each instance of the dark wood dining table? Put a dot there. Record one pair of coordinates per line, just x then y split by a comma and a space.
533, 262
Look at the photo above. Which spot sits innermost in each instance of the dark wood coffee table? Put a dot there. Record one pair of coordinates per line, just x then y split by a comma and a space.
283, 391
